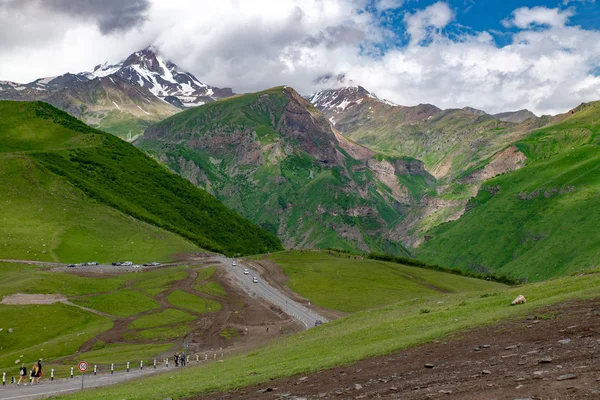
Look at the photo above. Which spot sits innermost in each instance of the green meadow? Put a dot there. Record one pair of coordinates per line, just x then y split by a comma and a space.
361, 335
342, 282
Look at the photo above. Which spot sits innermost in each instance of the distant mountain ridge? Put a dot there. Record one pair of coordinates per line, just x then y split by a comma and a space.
123, 98
163, 78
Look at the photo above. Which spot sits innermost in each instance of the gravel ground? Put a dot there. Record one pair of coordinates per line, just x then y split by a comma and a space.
532, 358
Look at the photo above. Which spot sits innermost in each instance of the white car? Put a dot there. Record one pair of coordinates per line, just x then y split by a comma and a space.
233, 264
246, 272
255, 280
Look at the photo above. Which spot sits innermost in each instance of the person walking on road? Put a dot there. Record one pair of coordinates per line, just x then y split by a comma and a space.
183, 359
22, 374
176, 356
39, 371
32, 373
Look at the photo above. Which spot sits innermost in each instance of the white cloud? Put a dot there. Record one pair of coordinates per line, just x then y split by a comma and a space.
432, 19
384, 5
250, 46
567, 2
526, 17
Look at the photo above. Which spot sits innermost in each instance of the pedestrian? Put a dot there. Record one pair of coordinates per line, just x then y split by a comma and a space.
176, 356
267, 329
22, 374
32, 373
183, 359
38, 374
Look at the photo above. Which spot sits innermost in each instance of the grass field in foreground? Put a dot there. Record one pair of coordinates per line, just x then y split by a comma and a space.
340, 282
166, 317
44, 331
179, 298
59, 330
361, 335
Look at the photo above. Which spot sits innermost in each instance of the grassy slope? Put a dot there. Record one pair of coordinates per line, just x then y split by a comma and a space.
358, 336
45, 218
47, 331
542, 220
70, 327
37, 138
347, 284
280, 192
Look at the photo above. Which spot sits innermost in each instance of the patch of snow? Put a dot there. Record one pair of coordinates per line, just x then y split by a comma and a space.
44, 81
145, 112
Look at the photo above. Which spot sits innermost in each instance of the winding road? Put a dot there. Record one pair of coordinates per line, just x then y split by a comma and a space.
270, 294
261, 289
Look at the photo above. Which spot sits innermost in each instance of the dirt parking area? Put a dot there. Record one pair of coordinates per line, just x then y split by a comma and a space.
27, 299
552, 355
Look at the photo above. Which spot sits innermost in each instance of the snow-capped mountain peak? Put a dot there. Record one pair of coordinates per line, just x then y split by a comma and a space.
336, 101
163, 78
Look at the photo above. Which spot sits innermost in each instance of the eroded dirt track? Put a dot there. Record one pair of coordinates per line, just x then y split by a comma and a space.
552, 355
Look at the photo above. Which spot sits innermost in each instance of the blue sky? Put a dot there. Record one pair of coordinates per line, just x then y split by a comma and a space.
487, 15
492, 55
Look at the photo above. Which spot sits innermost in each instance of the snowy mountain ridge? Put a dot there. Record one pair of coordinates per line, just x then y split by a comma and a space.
164, 79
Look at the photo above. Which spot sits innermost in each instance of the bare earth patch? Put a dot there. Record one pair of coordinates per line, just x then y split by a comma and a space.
28, 299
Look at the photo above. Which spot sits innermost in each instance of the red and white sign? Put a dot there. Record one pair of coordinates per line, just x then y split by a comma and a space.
83, 366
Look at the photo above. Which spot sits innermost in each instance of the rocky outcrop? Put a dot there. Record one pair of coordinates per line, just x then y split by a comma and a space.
508, 160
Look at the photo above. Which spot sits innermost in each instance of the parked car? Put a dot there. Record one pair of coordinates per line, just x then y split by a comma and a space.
117, 263
92, 263
318, 322
71, 265
246, 272
127, 263
255, 280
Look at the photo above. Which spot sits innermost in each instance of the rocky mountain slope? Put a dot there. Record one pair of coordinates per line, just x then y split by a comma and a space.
447, 141
274, 158
124, 98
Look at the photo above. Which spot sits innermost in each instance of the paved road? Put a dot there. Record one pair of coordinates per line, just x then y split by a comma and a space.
270, 294
260, 289
47, 388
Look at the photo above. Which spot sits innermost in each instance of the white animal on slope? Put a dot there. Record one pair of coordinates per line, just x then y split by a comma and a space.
519, 300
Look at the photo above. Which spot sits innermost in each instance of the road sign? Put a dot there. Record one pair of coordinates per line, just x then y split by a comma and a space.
83, 366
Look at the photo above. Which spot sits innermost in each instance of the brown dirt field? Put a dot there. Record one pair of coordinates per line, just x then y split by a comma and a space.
26, 299
554, 355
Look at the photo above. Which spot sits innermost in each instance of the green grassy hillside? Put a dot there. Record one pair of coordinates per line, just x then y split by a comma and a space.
359, 336
71, 193
345, 283
537, 222
132, 296
273, 158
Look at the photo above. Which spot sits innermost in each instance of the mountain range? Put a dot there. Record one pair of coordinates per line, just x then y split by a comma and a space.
123, 98
344, 168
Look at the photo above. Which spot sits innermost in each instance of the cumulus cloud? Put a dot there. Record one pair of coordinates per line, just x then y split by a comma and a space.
548, 66
384, 5
110, 15
526, 17
432, 19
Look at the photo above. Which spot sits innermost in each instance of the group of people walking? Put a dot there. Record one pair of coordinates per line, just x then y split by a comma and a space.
180, 359
35, 373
